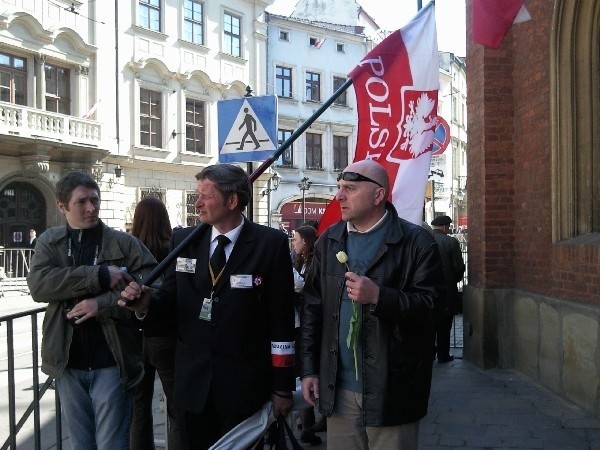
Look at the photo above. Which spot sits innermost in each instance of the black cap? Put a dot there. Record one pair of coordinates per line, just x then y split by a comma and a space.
441, 220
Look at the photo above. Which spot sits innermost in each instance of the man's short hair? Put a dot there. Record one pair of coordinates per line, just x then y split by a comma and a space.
229, 179
67, 184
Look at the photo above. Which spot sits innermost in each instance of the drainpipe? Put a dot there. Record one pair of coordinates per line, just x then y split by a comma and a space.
117, 96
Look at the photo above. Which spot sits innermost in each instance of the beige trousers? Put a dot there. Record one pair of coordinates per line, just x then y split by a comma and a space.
345, 430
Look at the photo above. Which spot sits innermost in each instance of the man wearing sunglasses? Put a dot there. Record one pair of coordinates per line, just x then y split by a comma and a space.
374, 392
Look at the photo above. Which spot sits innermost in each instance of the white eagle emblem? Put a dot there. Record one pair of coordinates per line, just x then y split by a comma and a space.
419, 126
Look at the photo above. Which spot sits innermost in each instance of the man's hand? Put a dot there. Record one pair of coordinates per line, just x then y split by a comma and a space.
310, 389
361, 289
85, 309
281, 404
118, 278
136, 298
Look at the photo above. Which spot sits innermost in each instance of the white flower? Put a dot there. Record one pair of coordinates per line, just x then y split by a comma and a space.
342, 257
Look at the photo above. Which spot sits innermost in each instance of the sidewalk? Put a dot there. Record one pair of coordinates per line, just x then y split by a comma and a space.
495, 409
468, 407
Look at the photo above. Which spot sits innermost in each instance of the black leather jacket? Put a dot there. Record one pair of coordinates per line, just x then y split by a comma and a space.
396, 333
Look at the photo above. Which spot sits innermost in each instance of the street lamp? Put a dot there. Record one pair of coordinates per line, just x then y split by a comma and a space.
272, 185
304, 186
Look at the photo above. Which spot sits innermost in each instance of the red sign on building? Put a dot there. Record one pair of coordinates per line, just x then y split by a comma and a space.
292, 212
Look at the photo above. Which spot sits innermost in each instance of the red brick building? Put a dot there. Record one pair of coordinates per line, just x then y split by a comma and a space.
533, 300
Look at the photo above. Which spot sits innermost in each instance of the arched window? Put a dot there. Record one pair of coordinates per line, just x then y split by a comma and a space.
575, 113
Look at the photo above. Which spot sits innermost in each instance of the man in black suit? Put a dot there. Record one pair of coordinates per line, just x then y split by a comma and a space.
235, 323
32, 238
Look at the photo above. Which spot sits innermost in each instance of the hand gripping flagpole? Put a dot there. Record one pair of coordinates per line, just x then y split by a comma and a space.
162, 266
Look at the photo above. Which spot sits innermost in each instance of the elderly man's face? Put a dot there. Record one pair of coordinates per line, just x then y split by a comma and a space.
358, 200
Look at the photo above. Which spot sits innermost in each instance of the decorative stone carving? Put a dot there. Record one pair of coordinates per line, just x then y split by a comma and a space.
35, 165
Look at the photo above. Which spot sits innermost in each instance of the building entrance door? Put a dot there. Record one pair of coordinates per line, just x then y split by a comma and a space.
22, 207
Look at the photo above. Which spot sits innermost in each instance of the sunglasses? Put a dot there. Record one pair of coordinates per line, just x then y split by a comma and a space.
353, 176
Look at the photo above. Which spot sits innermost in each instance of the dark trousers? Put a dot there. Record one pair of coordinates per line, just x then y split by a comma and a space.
443, 326
204, 429
159, 357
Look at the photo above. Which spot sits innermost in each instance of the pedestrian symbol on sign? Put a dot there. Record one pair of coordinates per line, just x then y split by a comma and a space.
250, 124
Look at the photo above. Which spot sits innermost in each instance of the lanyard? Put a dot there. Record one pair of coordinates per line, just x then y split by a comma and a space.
214, 280
96, 253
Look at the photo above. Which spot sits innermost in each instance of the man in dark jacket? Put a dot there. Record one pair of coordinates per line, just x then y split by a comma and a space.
89, 345
366, 330
235, 318
454, 269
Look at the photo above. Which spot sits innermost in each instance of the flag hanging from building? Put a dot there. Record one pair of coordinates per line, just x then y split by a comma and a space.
491, 19
396, 87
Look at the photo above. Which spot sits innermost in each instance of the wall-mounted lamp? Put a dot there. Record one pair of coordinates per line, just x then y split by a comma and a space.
118, 172
97, 173
438, 172
273, 184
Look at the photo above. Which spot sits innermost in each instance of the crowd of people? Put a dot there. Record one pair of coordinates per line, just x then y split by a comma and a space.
235, 319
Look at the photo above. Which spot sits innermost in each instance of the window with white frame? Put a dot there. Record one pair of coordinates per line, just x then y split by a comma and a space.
58, 89
193, 21
232, 37
149, 14
313, 87
159, 193
192, 217
316, 42
314, 151
283, 81
340, 152
342, 100
284, 35
195, 126
340, 47
150, 118
287, 158
13, 79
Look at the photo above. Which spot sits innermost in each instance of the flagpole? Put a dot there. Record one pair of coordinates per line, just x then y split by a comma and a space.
162, 266
296, 134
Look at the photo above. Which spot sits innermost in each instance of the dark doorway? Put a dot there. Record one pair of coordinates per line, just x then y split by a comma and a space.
22, 207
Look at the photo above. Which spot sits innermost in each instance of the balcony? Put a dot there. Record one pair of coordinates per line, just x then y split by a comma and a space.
24, 122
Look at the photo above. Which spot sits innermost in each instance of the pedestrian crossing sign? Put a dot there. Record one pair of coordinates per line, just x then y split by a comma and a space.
247, 128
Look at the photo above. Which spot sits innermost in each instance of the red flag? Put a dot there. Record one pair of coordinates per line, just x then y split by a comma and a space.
396, 87
492, 19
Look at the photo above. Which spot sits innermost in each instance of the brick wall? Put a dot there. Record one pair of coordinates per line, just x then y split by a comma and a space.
510, 169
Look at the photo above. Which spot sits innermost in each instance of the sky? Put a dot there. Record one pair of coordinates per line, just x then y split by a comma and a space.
393, 14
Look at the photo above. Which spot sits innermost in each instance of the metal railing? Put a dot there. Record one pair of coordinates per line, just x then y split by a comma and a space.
14, 266
21, 394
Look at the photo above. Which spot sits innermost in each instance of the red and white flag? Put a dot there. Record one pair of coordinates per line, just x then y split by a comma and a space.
396, 87
492, 19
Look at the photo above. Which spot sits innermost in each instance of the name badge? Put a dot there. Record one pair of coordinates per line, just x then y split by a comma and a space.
240, 281
187, 265
206, 310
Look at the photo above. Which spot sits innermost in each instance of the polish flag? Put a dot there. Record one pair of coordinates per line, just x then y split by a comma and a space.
492, 19
396, 87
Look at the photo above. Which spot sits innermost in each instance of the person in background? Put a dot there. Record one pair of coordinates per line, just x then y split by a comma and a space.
303, 244
89, 344
367, 323
232, 290
32, 238
453, 267
151, 225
